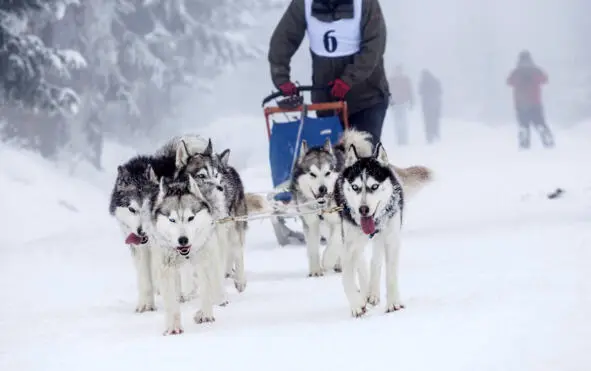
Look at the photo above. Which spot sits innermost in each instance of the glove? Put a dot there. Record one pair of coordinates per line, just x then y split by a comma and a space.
288, 88
339, 88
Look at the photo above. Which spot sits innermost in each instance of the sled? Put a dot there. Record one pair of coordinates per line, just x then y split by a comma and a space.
287, 125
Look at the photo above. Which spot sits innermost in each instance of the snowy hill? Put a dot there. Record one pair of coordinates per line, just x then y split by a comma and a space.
494, 275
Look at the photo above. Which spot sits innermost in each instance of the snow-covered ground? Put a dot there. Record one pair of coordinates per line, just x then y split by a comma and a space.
494, 275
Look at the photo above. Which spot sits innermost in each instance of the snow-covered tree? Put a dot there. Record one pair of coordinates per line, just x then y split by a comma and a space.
27, 63
137, 54
35, 77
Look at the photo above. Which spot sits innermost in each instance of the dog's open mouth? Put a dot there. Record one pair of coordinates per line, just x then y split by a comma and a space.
184, 250
134, 239
321, 200
368, 224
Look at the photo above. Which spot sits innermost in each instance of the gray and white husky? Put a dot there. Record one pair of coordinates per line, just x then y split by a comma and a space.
372, 200
136, 183
213, 172
182, 225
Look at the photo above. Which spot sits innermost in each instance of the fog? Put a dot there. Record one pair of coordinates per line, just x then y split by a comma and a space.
78, 75
471, 45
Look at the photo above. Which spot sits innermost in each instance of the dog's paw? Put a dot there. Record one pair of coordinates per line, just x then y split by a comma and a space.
373, 299
185, 298
201, 317
318, 272
358, 311
145, 307
240, 285
394, 307
174, 330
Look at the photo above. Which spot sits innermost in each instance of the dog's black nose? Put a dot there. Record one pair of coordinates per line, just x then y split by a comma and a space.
140, 231
322, 190
183, 241
364, 210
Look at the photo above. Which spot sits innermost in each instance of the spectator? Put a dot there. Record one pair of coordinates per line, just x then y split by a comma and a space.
430, 92
401, 102
527, 79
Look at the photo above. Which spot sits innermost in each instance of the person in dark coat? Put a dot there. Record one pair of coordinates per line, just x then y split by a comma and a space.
347, 45
430, 92
402, 102
527, 80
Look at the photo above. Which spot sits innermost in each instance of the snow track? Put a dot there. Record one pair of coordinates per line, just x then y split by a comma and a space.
491, 280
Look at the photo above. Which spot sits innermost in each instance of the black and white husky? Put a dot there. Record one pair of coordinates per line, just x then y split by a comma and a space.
136, 182
372, 200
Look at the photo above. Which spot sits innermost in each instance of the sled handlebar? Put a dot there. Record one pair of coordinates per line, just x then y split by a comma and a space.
301, 88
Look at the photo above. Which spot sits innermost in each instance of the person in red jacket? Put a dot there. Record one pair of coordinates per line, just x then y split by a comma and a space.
527, 80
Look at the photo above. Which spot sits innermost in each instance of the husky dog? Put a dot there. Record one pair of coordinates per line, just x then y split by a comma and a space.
213, 171
312, 184
136, 183
372, 200
313, 181
183, 227
235, 231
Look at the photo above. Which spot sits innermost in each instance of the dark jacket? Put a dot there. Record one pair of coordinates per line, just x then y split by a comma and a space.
430, 91
363, 72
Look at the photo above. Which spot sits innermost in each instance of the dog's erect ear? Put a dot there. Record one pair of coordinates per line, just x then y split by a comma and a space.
327, 145
224, 157
163, 188
380, 154
303, 149
182, 154
151, 175
122, 171
352, 156
194, 188
209, 149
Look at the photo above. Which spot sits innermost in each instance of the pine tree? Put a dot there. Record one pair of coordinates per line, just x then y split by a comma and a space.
26, 62
35, 77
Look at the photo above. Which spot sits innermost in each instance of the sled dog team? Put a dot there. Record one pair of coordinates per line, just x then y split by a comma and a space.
175, 210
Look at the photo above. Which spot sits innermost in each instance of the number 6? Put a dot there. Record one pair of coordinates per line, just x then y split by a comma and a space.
330, 42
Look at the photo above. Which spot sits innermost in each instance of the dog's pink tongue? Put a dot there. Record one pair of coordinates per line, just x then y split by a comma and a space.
133, 239
368, 224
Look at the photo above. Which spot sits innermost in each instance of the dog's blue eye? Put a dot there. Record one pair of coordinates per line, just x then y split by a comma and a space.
201, 176
375, 186
172, 220
355, 187
191, 218
132, 210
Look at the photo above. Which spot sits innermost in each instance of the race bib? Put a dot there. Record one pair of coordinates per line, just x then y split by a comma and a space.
334, 39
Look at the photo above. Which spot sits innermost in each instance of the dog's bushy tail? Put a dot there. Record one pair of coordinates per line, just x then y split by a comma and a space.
413, 178
256, 203
360, 139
